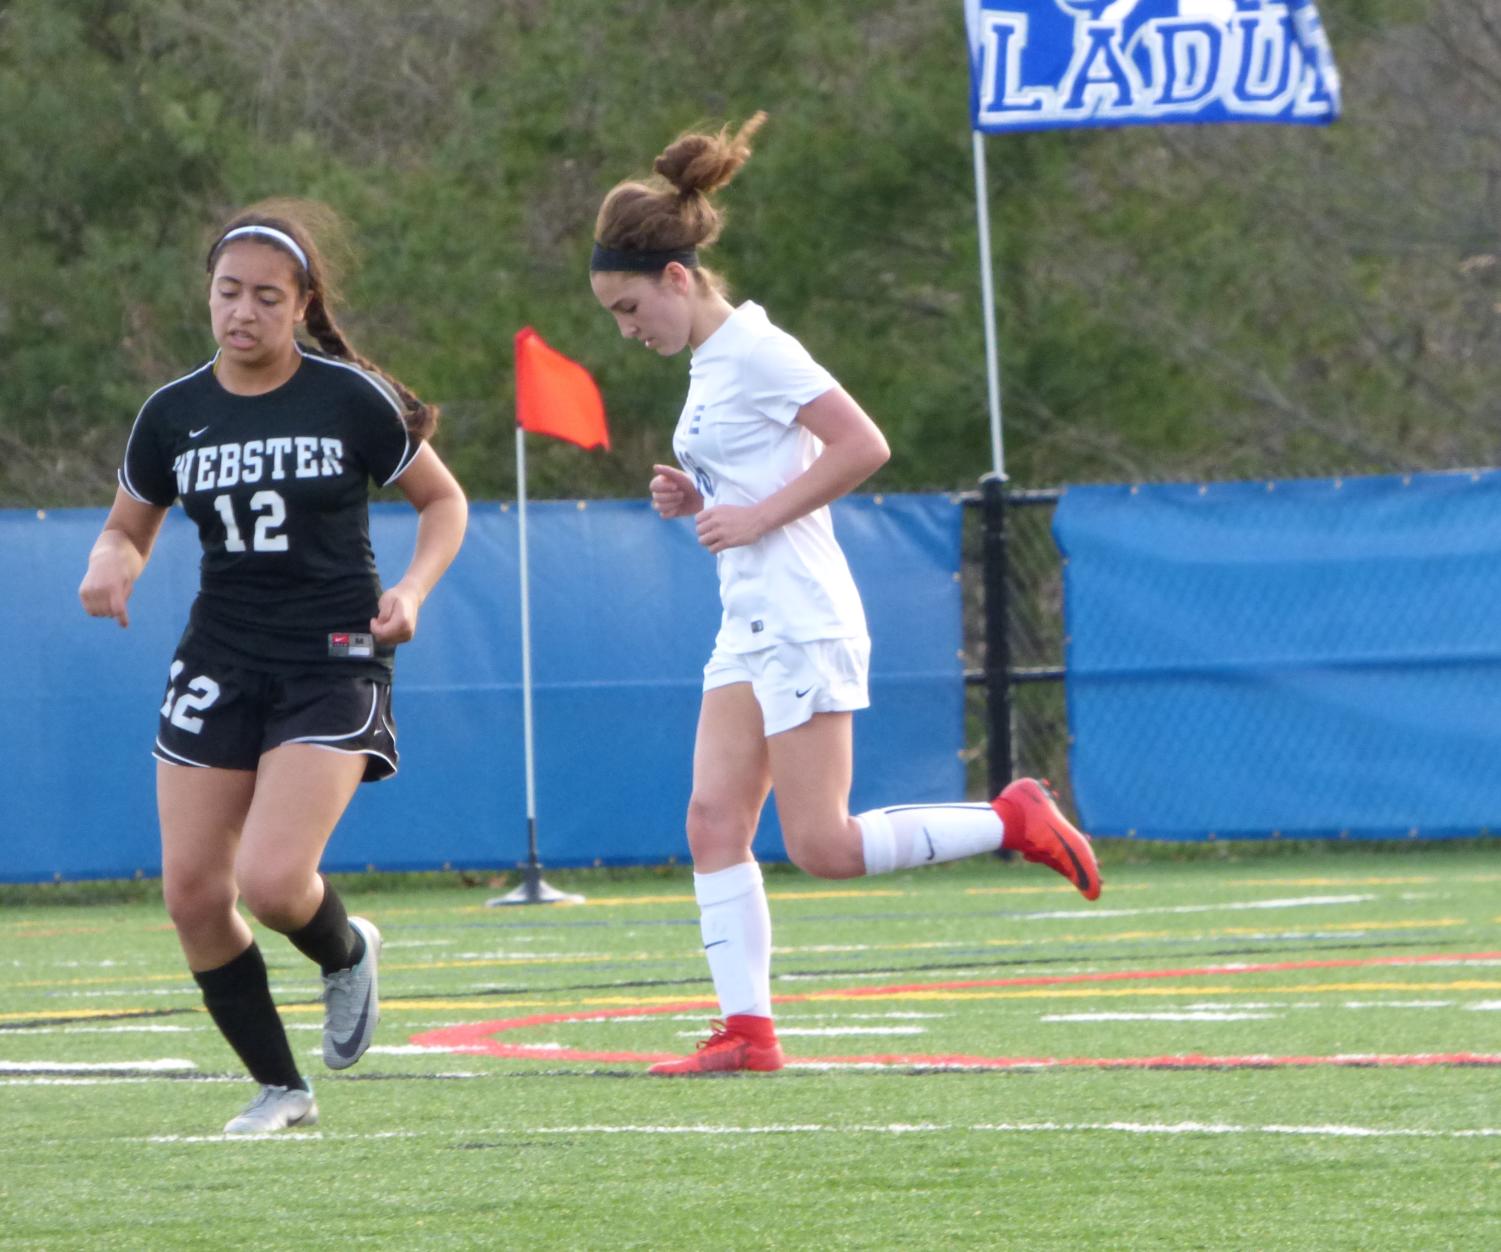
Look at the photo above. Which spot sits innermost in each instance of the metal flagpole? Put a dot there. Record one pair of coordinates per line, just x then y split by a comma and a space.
532, 890
987, 296
1001, 714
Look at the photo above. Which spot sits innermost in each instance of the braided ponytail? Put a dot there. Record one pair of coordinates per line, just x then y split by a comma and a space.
421, 419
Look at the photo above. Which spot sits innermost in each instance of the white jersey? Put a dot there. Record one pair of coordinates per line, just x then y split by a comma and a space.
739, 438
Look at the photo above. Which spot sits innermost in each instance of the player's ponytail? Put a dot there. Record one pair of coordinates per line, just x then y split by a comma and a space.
672, 213
296, 226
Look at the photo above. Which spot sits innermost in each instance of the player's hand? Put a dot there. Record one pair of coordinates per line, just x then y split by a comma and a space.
728, 526
396, 618
106, 588
673, 493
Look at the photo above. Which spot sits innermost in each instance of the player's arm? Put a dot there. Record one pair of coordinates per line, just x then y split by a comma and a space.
853, 450
442, 515
119, 555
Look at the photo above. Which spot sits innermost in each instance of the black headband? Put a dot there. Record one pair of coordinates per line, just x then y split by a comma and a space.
640, 260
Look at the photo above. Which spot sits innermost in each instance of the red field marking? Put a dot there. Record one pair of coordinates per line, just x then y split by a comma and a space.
478, 1038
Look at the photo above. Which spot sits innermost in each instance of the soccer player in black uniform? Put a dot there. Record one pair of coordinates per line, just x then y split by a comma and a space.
278, 700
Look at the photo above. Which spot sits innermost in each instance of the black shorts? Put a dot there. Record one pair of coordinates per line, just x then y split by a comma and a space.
222, 716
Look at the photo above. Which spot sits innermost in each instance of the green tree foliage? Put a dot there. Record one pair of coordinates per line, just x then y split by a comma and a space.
1226, 301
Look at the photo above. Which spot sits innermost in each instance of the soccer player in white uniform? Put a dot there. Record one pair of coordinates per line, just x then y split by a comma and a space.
278, 700
767, 439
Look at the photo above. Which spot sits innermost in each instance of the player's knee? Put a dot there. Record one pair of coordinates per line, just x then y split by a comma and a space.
196, 905
716, 830
275, 895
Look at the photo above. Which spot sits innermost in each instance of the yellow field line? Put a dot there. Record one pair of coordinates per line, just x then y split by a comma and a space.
1082, 992
1415, 879
1048, 889
688, 898
103, 982
1342, 926
1075, 992
47, 1015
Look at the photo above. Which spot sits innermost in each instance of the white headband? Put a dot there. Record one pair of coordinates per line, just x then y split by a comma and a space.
270, 232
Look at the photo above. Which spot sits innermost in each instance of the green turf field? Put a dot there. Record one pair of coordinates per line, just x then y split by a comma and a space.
1299, 1052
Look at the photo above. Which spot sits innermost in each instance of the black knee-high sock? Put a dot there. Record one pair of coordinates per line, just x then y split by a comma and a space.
238, 998
328, 938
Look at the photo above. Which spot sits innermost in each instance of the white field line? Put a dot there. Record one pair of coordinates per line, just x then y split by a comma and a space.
280, 1136
112, 1080
571, 957
893, 1129
28, 1031
431, 1024
792, 1015
1484, 1006
393, 1049
130, 993
124, 1079
854, 975
1136, 1128
416, 1023
1200, 1016
416, 1049
288, 990
164, 1064
106, 964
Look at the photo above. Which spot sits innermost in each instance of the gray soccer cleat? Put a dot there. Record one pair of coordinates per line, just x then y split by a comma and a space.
351, 1004
275, 1108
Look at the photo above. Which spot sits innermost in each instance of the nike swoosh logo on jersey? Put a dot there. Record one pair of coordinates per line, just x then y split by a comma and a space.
798, 695
193, 434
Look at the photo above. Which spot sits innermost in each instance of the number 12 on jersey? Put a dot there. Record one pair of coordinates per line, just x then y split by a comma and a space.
271, 512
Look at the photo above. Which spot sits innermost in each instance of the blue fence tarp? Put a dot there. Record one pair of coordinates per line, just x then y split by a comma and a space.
624, 611
1308, 658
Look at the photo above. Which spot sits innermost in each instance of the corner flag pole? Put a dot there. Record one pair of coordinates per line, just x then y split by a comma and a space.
558, 397
533, 888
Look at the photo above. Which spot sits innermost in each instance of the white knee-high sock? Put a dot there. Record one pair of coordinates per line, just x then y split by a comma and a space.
736, 926
907, 835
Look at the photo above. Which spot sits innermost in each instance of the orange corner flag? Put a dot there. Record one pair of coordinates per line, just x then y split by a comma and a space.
556, 396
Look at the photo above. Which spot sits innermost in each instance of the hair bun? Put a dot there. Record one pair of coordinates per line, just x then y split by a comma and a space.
700, 164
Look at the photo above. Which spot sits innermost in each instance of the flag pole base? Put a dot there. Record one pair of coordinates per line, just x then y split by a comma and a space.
534, 889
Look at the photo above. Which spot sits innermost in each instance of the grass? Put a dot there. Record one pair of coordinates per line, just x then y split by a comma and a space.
1241, 961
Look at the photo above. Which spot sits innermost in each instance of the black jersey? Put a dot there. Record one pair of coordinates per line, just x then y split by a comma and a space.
278, 485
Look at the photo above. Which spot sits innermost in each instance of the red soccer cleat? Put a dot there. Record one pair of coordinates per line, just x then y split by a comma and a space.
741, 1043
1044, 835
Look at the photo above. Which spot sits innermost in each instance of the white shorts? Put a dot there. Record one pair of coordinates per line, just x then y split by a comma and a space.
793, 681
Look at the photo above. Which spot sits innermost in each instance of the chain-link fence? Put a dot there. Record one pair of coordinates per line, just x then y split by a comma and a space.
1032, 738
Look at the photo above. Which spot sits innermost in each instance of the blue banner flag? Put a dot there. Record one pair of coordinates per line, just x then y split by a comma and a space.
1057, 64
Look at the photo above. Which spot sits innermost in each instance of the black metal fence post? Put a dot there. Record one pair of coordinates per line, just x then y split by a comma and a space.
999, 756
